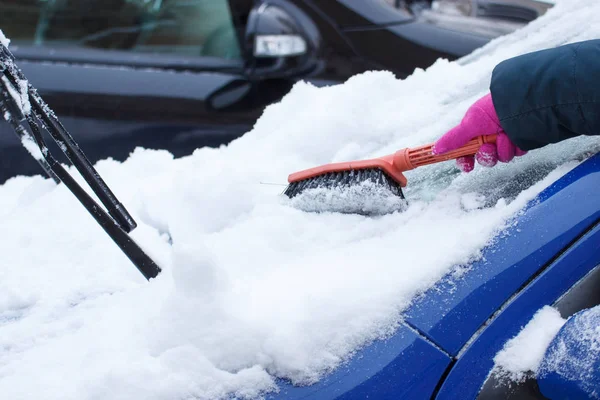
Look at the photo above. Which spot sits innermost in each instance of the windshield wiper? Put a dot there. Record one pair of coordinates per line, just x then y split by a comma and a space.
26, 112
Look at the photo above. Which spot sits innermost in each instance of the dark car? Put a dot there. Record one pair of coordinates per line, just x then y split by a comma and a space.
182, 74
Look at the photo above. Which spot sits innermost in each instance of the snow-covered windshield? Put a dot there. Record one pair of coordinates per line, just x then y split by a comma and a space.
252, 288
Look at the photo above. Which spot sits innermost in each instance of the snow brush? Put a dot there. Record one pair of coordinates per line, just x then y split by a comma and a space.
367, 187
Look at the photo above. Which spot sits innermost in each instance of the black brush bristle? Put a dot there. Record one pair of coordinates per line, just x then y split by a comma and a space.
343, 179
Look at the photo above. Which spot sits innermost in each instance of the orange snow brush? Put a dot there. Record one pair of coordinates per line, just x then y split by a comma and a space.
369, 186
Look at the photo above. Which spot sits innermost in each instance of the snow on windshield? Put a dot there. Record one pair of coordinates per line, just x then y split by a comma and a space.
252, 287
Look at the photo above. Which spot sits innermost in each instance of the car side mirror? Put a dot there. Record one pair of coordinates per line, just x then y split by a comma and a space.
281, 41
275, 46
570, 368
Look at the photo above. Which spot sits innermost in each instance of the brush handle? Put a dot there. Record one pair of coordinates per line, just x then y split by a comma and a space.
407, 159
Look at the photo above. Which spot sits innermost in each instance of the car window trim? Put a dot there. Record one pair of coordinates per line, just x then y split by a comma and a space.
237, 11
130, 59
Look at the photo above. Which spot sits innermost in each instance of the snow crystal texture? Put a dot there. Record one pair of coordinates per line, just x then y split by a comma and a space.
574, 356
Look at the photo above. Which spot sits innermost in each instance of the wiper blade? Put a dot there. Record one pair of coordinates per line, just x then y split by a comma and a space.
28, 114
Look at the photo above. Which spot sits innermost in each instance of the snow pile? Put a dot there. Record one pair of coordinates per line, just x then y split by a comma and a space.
3, 39
523, 354
252, 287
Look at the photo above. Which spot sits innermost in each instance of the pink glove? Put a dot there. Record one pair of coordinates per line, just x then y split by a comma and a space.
480, 119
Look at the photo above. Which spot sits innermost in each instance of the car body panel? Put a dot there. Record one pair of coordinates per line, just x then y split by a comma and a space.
452, 312
111, 110
362, 14
533, 263
104, 80
423, 42
470, 371
122, 58
405, 366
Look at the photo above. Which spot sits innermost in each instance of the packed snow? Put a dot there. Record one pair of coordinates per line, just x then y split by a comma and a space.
522, 355
365, 198
253, 288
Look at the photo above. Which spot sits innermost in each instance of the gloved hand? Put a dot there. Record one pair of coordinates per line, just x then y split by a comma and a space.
480, 119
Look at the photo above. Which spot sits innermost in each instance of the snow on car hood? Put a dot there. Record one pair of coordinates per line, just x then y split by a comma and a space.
253, 288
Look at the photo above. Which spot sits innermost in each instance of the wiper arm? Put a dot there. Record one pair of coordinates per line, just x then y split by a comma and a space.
22, 107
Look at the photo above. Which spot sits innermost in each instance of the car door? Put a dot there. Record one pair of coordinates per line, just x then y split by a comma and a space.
166, 74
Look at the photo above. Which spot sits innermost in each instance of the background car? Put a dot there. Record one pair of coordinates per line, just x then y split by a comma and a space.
178, 75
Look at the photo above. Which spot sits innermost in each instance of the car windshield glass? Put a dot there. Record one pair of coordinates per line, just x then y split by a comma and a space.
182, 27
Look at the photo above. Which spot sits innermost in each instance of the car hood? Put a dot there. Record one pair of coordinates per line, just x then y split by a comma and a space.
452, 312
415, 362
405, 366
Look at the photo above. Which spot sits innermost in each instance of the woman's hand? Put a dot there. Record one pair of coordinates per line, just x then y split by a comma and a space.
480, 119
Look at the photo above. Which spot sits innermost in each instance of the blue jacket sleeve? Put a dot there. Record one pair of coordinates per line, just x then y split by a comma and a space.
550, 95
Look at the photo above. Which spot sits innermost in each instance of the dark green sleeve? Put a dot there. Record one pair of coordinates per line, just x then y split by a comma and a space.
550, 95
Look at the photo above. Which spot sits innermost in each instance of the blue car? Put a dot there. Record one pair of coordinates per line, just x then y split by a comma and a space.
444, 348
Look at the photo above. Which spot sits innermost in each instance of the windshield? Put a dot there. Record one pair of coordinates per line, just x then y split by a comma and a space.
183, 27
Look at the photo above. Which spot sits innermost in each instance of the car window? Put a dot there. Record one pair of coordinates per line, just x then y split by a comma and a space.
182, 27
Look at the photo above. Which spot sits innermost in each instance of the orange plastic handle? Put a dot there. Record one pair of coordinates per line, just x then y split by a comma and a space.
400, 161
407, 159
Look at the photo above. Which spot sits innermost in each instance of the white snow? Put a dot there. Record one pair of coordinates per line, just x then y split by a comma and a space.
24, 96
3, 39
365, 198
522, 355
577, 352
252, 287
32, 147
20, 95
